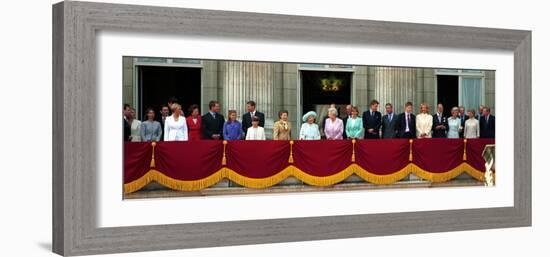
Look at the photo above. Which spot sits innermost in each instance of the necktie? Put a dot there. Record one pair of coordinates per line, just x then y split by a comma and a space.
407, 123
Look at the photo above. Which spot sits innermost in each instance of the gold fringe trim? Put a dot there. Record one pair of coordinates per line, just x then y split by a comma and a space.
353, 149
464, 155
436, 177
291, 158
193, 185
152, 165
224, 159
382, 179
479, 175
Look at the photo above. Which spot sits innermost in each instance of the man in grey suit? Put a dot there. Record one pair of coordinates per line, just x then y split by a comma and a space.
389, 123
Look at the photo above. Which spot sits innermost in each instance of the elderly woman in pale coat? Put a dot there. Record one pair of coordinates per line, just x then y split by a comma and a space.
334, 126
309, 129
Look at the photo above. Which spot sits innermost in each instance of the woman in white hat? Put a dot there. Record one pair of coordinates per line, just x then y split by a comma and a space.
309, 130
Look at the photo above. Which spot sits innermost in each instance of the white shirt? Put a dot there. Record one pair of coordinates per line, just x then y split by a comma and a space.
253, 133
407, 120
175, 130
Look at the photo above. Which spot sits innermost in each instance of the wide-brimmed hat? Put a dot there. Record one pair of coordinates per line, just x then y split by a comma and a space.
310, 113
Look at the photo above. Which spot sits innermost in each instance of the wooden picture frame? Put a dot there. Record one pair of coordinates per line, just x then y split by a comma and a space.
74, 132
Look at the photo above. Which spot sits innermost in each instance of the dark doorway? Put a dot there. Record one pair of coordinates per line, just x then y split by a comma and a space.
447, 93
325, 87
157, 84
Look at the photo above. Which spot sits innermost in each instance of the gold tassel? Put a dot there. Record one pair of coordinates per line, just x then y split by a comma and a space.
291, 158
410, 150
353, 150
224, 159
464, 155
153, 144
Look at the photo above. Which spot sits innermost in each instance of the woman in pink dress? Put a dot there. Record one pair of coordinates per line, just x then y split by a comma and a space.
334, 127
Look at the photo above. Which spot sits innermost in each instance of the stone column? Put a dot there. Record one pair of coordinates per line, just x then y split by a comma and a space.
360, 88
393, 85
128, 81
290, 98
429, 90
240, 82
490, 91
209, 84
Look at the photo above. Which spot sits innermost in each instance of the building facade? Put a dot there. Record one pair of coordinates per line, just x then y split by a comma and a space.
149, 82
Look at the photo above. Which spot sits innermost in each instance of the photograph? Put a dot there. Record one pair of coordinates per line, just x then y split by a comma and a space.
201, 127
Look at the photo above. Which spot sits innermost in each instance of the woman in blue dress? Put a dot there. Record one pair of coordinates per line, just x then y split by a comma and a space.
454, 124
309, 129
232, 128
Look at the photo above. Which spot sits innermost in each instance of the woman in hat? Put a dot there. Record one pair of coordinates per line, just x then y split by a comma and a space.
309, 130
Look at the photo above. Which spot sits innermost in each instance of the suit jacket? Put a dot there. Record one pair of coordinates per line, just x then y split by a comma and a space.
401, 126
211, 126
127, 129
247, 120
463, 120
372, 122
487, 128
159, 119
442, 133
389, 128
345, 120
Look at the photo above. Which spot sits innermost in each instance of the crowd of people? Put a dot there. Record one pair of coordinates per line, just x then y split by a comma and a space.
172, 125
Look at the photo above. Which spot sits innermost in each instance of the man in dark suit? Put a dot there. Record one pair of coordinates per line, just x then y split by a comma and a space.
478, 116
164, 113
127, 128
439, 124
487, 124
463, 118
212, 122
251, 112
372, 121
389, 121
345, 120
406, 123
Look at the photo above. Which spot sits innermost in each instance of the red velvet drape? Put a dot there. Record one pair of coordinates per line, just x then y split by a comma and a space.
257, 159
382, 156
197, 160
322, 158
190, 160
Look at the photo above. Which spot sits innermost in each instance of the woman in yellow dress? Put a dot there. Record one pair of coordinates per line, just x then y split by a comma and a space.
281, 128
